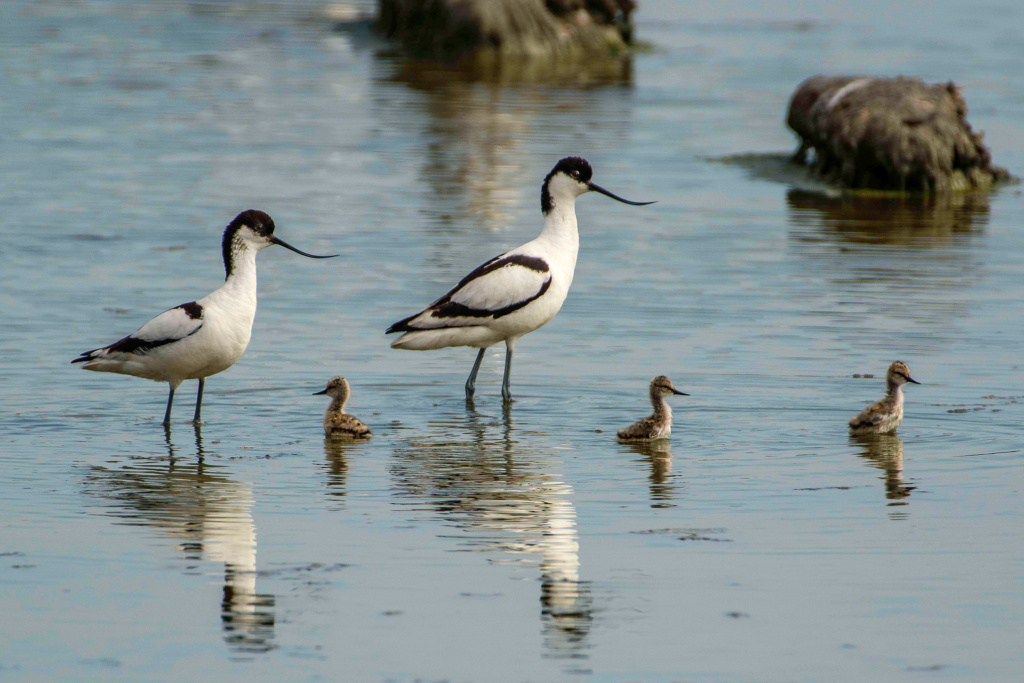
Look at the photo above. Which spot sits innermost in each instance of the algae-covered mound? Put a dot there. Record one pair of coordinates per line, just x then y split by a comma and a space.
450, 29
897, 134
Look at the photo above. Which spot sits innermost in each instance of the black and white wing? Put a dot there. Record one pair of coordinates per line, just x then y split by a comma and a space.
499, 287
168, 327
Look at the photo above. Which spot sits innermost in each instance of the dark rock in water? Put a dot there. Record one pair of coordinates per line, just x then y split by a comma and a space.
453, 29
896, 134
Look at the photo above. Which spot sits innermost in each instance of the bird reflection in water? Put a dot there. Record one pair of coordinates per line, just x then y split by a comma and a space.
658, 456
885, 451
506, 498
336, 468
210, 516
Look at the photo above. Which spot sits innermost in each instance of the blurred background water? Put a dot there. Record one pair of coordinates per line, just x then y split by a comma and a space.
471, 542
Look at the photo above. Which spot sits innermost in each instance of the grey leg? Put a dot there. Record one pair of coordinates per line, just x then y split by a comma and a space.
167, 413
506, 391
471, 382
199, 400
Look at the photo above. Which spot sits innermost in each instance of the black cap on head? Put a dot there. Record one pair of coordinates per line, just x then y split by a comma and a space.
576, 168
259, 221
261, 224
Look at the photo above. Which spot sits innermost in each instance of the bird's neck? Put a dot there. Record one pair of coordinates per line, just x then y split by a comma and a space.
337, 405
240, 264
895, 396
662, 411
893, 389
560, 228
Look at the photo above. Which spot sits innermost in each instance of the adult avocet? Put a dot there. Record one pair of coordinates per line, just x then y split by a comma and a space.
513, 293
658, 425
886, 415
338, 423
199, 338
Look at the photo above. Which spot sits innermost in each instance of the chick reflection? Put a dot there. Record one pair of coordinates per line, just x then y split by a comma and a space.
885, 451
658, 455
900, 221
337, 467
503, 495
210, 517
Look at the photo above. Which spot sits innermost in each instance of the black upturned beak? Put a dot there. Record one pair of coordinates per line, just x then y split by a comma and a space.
319, 393
679, 393
911, 379
281, 242
598, 188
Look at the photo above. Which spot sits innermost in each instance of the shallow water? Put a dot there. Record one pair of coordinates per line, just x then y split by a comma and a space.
471, 542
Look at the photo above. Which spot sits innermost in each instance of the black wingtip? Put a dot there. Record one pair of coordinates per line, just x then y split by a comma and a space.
403, 324
87, 355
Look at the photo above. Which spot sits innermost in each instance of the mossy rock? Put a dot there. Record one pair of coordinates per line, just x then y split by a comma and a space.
890, 134
498, 30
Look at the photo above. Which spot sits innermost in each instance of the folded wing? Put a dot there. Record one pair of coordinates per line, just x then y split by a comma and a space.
871, 416
168, 327
499, 287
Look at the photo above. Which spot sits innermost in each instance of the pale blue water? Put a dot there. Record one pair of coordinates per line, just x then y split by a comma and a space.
468, 542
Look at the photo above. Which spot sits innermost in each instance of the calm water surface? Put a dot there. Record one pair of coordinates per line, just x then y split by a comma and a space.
469, 542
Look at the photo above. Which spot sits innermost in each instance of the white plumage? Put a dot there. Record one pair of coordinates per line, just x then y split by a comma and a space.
199, 338
516, 292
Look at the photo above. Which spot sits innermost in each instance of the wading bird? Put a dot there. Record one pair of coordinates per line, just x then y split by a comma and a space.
659, 424
199, 338
338, 423
516, 292
887, 414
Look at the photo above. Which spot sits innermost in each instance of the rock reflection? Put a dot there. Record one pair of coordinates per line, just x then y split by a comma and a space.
871, 265
616, 70
476, 133
658, 455
885, 451
506, 500
901, 221
210, 516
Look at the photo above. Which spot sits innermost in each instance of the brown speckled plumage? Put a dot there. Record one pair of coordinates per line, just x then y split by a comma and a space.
344, 425
885, 415
338, 423
658, 425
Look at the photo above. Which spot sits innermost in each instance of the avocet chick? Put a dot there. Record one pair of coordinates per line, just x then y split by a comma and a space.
658, 425
338, 423
885, 415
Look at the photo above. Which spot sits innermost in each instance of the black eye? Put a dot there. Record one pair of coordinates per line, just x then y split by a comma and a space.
575, 174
